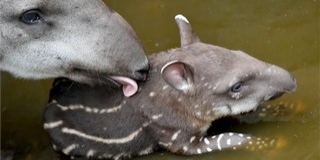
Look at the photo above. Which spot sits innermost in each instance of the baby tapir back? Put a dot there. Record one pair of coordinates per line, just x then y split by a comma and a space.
187, 89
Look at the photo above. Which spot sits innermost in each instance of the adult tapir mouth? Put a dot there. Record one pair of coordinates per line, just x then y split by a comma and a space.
93, 77
128, 83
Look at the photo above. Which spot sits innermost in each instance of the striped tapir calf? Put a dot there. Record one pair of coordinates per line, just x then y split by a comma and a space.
187, 89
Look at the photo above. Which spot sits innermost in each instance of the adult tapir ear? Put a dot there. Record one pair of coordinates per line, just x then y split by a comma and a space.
187, 36
178, 75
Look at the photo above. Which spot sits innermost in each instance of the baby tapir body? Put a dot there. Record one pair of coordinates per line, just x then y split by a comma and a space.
187, 89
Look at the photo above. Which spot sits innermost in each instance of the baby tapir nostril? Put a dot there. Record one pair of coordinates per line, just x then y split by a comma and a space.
294, 79
291, 85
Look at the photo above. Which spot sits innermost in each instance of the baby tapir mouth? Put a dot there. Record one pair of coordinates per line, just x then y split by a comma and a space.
273, 96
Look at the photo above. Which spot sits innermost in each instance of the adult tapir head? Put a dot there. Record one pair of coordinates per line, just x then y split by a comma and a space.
213, 81
79, 39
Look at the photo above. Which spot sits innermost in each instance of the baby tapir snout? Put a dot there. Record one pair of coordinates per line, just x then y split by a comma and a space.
279, 82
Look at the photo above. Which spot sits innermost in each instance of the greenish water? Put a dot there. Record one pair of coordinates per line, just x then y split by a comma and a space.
285, 33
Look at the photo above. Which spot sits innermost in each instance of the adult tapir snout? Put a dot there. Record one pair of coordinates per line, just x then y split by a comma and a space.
128, 49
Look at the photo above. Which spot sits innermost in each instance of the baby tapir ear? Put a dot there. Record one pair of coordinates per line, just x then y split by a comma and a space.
187, 36
178, 75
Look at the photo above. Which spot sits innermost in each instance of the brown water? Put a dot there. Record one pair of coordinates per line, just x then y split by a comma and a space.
283, 32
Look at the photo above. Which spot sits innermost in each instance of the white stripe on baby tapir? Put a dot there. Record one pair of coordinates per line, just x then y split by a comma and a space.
52, 124
152, 94
165, 87
117, 157
90, 153
70, 107
54, 147
156, 117
209, 149
185, 148
199, 151
110, 110
95, 110
52, 102
126, 139
89, 109
68, 149
206, 141
165, 144
218, 141
146, 151
192, 139
175, 135
229, 142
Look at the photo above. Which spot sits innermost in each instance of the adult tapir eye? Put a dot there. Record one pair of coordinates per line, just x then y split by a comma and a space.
236, 87
31, 17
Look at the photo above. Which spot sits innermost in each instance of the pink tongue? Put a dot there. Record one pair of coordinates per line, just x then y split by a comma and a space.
129, 86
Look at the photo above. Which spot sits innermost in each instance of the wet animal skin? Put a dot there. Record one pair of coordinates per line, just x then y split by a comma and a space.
187, 89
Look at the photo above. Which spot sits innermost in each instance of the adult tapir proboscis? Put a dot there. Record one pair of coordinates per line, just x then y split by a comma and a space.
81, 40
187, 89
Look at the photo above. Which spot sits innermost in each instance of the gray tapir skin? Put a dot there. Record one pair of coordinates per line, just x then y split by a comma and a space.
187, 89
78, 39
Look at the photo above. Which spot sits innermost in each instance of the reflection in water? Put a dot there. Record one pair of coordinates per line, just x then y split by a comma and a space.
284, 32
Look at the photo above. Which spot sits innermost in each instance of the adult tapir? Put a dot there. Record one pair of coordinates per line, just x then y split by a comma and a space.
187, 89
82, 40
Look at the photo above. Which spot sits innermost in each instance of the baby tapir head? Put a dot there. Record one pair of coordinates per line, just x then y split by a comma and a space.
215, 81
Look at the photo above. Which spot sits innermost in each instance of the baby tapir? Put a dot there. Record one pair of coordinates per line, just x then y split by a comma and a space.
187, 89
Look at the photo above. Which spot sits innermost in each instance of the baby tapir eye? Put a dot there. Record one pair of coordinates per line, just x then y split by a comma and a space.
31, 17
236, 87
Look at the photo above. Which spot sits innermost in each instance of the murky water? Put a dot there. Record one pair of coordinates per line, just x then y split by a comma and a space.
284, 32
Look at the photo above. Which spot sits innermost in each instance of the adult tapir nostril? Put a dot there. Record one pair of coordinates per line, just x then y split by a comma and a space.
142, 73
